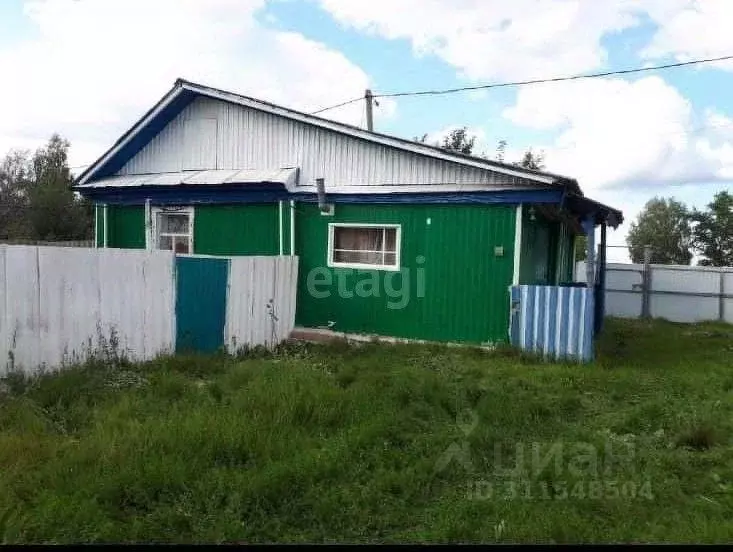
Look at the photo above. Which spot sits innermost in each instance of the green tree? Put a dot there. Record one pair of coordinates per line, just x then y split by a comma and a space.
15, 176
457, 140
664, 224
36, 196
712, 233
532, 160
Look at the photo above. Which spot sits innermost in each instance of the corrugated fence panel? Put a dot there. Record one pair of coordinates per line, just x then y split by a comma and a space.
125, 278
145, 326
669, 286
728, 303
23, 329
4, 334
159, 297
62, 304
261, 301
69, 297
286, 282
679, 293
555, 322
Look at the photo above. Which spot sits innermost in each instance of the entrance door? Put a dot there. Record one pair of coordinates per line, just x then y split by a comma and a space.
201, 289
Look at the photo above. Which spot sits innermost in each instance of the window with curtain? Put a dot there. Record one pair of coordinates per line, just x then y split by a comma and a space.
174, 231
368, 246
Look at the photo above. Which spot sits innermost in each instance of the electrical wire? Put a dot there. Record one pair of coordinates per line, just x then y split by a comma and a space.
524, 83
533, 81
338, 105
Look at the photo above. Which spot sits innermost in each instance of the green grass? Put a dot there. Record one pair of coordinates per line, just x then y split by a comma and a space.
347, 443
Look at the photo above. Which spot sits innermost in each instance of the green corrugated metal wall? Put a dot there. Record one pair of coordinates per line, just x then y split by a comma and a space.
218, 229
125, 226
465, 285
286, 228
464, 295
236, 229
98, 225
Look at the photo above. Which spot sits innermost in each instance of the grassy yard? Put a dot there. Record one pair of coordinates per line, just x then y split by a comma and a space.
379, 443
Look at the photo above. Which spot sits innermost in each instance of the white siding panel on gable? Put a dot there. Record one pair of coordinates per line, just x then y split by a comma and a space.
249, 139
199, 144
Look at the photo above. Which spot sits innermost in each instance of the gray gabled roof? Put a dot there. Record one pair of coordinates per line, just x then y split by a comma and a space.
287, 177
184, 91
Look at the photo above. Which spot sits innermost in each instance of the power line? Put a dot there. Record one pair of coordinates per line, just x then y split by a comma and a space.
338, 105
524, 83
533, 81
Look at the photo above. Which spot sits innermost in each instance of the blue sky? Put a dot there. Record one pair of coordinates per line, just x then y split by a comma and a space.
88, 69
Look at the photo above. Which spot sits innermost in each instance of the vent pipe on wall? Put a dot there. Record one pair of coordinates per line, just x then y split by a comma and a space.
324, 207
321, 189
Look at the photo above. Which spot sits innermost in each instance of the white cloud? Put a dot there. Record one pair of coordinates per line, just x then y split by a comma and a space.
616, 133
690, 29
93, 68
611, 131
628, 141
496, 39
500, 40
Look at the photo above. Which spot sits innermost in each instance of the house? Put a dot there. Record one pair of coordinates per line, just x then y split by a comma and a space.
409, 240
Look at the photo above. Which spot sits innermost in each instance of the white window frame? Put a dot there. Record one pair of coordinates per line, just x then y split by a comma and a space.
155, 211
365, 266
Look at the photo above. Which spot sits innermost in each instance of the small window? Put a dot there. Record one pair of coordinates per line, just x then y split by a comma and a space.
364, 246
174, 231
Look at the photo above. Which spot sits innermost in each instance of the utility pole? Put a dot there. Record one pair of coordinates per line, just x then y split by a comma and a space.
369, 117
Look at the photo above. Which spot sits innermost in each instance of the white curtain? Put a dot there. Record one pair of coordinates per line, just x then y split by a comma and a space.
358, 245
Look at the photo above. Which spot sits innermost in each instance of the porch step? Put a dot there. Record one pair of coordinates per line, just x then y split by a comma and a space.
323, 335
315, 335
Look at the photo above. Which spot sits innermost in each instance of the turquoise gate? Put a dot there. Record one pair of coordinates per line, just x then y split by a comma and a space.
201, 300
225, 303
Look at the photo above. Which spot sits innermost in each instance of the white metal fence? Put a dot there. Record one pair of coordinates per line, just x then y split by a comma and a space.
61, 305
260, 301
677, 293
68, 243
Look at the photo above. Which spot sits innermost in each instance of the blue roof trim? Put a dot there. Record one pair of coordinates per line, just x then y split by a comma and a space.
488, 198
188, 194
265, 193
141, 137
